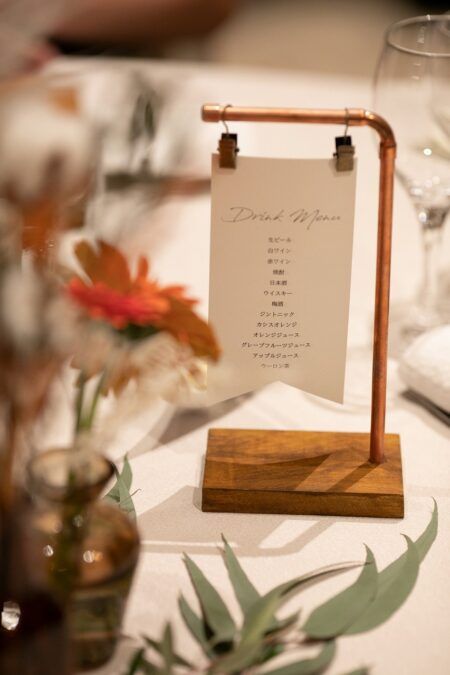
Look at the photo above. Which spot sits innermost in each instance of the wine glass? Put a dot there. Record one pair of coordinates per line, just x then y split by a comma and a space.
412, 91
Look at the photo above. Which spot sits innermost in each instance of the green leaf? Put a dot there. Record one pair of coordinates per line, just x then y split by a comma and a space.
397, 580
334, 616
391, 595
139, 664
270, 651
308, 666
195, 626
358, 671
125, 499
261, 615
154, 644
213, 607
149, 668
426, 539
238, 660
281, 625
167, 649
423, 545
113, 494
246, 593
126, 473
120, 491
136, 659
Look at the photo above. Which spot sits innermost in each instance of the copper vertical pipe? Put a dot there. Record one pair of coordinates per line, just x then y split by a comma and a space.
381, 318
352, 117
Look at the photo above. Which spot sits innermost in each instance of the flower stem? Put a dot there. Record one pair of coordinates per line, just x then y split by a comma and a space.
79, 403
98, 390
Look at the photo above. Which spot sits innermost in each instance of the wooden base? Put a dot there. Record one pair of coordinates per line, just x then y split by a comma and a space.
301, 472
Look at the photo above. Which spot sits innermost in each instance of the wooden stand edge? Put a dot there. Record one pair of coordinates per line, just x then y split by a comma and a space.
301, 472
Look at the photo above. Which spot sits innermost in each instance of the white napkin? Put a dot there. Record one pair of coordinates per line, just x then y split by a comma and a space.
425, 367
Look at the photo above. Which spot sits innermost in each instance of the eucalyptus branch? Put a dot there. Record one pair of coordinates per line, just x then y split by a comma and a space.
261, 637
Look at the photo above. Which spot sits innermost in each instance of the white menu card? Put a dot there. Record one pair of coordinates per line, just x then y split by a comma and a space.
281, 256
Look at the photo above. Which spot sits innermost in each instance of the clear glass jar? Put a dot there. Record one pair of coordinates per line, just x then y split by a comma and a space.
91, 547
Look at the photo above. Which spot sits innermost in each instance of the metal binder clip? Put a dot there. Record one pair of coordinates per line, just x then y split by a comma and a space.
227, 146
344, 150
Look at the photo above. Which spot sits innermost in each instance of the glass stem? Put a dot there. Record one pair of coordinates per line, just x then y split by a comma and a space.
431, 220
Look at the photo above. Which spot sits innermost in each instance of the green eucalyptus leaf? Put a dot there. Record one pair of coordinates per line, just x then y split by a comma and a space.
149, 668
270, 651
140, 664
426, 539
246, 593
120, 491
125, 499
312, 666
261, 615
392, 595
113, 495
334, 616
195, 626
127, 477
423, 545
167, 649
136, 659
157, 646
397, 580
358, 671
126, 473
151, 642
236, 661
281, 625
213, 607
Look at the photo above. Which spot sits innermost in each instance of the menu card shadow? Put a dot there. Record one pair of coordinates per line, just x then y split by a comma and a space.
173, 424
177, 525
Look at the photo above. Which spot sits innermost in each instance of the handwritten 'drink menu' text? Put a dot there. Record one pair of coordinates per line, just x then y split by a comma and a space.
281, 248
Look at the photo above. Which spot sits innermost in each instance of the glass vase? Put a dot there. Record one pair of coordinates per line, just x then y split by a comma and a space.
34, 634
91, 548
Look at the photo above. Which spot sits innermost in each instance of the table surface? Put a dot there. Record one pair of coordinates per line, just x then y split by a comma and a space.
166, 446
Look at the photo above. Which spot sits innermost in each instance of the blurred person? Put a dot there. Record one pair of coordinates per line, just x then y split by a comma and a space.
120, 25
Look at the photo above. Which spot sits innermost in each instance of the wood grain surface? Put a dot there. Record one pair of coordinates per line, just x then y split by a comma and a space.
301, 472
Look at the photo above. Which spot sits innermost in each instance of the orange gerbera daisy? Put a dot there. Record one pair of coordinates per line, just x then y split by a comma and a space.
116, 308
137, 306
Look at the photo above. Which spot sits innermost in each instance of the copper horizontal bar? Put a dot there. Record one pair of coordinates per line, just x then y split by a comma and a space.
213, 112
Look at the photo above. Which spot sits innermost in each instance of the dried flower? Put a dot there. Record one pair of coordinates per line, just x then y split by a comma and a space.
44, 151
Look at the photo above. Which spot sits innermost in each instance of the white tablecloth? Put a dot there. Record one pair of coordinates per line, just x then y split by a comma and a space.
167, 455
